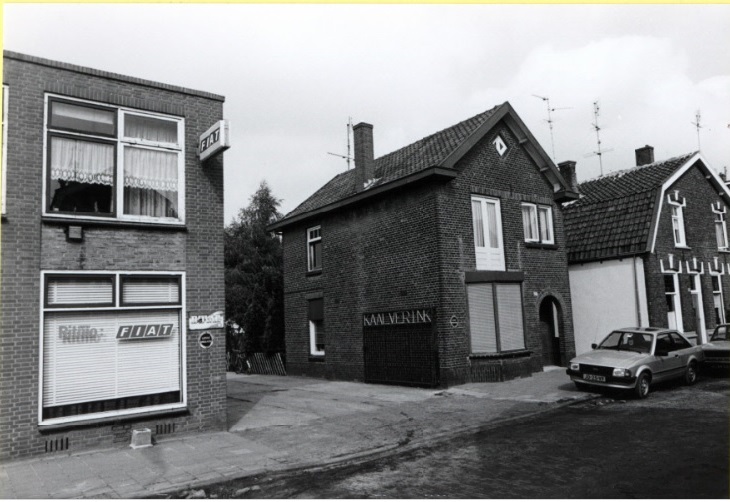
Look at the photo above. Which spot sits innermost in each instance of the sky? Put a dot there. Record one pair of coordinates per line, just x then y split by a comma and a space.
293, 75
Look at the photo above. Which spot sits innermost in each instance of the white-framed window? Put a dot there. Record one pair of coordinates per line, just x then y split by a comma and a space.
500, 145
495, 317
314, 249
677, 206
718, 299
720, 226
111, 344
674, 307
537, 222
316, 327
487, 226
4, 180
113, 162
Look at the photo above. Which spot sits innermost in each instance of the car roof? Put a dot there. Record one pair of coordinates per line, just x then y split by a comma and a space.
647, 330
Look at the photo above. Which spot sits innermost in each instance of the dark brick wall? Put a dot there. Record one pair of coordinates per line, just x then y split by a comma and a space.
30, 245
702, 244
410, 249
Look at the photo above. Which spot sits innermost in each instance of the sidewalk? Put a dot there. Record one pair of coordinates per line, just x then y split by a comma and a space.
288, 423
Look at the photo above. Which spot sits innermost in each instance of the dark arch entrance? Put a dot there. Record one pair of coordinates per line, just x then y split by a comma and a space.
551, 328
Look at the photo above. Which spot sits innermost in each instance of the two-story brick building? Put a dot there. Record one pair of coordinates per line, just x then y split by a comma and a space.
649, 246
112, 259
440, 263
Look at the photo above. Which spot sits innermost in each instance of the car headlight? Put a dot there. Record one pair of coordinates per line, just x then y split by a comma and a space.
621, 373
574, 366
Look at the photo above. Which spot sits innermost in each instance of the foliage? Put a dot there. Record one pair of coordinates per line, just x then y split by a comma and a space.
254, 274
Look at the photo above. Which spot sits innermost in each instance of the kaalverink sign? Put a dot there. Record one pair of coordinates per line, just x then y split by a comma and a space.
397, 318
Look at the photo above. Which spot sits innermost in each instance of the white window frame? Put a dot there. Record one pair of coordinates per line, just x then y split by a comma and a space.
695, 291
311, 241
720, 226
312, 340
677, 214
487, 257
121, 143
532, 210
121, 308
6, 92
539, 214
717, 296
676, 302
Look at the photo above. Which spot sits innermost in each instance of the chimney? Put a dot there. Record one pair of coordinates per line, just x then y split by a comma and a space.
645, 155
364, 163
567, 170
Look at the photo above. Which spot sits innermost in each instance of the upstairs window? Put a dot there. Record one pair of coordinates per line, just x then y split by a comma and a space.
314, 249
720, 226
487, 225
537, 222
677, 206
109, 162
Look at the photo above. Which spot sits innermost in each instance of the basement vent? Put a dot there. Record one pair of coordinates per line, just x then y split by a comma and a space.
56, 444
164, 429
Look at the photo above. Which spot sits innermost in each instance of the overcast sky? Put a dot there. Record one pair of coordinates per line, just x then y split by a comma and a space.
293, 74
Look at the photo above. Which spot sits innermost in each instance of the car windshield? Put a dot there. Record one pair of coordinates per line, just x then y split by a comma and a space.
626, 340
720, 334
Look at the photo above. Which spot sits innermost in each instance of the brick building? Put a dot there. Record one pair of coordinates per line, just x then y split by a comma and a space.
440, 263
112, 259
649, 246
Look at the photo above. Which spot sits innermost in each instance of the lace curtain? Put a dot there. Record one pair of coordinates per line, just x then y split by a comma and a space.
82, 161
150, 182
529, 222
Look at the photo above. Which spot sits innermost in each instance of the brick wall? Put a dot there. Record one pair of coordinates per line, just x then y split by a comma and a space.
30, 245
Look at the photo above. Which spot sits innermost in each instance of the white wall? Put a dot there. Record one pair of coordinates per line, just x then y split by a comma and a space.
604, 297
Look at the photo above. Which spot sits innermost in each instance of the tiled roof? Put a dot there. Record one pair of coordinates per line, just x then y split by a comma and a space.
613, 216
428, 152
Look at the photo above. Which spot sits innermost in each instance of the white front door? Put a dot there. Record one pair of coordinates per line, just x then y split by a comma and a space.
699, 308
487, 223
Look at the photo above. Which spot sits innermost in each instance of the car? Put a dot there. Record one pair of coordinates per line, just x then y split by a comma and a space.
636, 358
717, 350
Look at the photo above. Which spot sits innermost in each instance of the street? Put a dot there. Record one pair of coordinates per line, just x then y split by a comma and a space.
672, 445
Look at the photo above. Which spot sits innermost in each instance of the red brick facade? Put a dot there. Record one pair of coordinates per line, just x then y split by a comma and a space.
32, 243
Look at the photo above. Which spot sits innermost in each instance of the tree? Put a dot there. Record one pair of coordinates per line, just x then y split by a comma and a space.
254, 274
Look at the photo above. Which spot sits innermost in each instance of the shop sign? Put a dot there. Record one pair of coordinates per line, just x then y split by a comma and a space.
78, 334
214, 141
140, 331
205, 340
206, 321
416, 316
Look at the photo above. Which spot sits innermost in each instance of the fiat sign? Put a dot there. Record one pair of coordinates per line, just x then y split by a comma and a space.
214, 141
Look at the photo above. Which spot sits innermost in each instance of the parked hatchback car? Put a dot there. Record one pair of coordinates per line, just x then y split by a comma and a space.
635, 358
717, 350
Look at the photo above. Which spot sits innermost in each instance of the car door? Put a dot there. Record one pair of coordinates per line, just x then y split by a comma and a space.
682, 350
670, 361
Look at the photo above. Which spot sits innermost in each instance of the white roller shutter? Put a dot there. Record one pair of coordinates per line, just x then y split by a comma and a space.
481, 317
150, 291
80, 291
509, 309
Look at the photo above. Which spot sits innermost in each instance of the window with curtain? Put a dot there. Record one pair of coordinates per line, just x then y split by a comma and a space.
89, 156
537, 222
677, 205
487, 226
720, 226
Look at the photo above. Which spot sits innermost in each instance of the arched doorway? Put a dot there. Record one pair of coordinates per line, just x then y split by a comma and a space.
550, 331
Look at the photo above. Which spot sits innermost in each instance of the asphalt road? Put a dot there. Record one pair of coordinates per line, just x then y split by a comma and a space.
672, 445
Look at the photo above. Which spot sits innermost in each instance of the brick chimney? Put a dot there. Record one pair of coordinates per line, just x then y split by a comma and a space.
364, 163
567, 169
645, 155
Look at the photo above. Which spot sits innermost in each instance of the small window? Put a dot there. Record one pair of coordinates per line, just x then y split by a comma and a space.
720, 226
537, 222
79, 291
316, 327
677, 207
314, 249
500, 145
152, 290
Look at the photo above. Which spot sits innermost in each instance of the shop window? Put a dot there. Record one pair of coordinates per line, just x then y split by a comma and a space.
113, 163
316, 327
720, 226
487, 225
537, 222
495, 317
104, 356
677, 206
314, 249
718, 300
4, 180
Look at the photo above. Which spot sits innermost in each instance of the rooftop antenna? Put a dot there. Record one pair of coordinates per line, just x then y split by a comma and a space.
550, 119
347, 157
696, 123
599, 151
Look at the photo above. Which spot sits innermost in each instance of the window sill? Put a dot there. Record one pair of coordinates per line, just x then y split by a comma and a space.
540, 245
61, 220
679, 246
316, 359
514, 354
725, 251
55, 425
313, 273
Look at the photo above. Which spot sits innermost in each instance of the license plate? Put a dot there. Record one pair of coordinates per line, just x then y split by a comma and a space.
594, 378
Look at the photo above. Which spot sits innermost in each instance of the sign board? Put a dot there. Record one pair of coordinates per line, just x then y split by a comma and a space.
414, 316
205, 340
140, 331
214, 141
206, 321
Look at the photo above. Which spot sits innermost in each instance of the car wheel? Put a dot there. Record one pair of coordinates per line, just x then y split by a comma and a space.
642, 386
690, 374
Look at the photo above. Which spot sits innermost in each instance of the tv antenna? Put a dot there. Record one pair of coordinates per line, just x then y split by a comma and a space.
599, 151
347, 157
550, 119
696, 123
